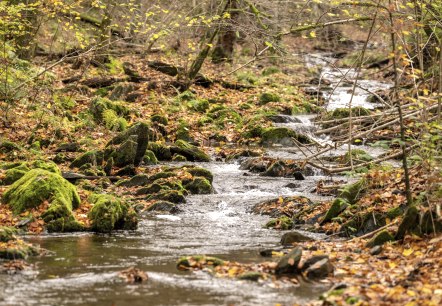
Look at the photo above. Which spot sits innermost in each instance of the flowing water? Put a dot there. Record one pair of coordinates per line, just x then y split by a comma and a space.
81, 269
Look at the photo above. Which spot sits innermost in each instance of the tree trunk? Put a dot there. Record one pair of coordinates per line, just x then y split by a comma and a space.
223, 51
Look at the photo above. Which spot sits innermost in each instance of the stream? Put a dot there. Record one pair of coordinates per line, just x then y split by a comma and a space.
81, 269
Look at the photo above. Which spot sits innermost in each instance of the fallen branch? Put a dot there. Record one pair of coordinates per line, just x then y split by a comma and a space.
368, 235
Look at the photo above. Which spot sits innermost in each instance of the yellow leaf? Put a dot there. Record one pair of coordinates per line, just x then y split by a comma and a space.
392, 265
312, 34
407, 252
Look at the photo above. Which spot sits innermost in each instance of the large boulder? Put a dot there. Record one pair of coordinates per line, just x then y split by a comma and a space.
282, 136
37, 186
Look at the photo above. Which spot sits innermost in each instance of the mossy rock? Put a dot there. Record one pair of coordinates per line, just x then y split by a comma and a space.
178, 158
282, 223
341, 113
198, 171
251, 276
137, 180
159, 119
199, 105
40, 185
188, 262
186, 96
91, 157
99, 105
110, 213
288, 264
164, 206
395, 212
380, 238
199, 185
225, 116
283, 136
189, 151
161, 175
123, 149
18, 250
270, 70
161, 151
9, 146
64, 224
7, 233
353, 192
268, 97
150, 158
15, 174
337, 207
173, 196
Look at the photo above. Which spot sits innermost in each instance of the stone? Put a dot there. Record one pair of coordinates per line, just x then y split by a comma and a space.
376, 250
199, 185
190, 152
91, 157
251, 276
163, 206
320, 269
173, 196
288, 264
294, 237
379, 239
282, 136
312, 260
337, 207
137, 180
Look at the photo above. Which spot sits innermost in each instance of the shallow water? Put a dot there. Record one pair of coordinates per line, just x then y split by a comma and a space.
82, 269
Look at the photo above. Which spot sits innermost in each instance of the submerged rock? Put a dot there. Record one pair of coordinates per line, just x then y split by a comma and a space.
163, 206
189, 262
251, 276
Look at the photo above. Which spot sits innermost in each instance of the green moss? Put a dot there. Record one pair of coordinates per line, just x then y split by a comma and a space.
15, 174
126, 152
100, 105
110, 213
39, 185
268, 97
173, 196
251, 276
7, 233
160, 175
224, 116
353, 192
178, 158
270, 70
380, 238
338, 206
198, 171
247, 78
186, 96
9, 146
282, 223
113, 122
18, 251
394, 212
341, 113
282, 135
150, 158
159, 119
161, 151
199, 105
183, 131
46, 165
189, 151
199, 185
204, 120
64, 224
188, 261
90, 157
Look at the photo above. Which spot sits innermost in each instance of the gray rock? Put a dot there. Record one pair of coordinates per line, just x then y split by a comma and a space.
293, 237
320, 269
288, 264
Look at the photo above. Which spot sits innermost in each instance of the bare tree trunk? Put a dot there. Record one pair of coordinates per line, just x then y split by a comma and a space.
223, 51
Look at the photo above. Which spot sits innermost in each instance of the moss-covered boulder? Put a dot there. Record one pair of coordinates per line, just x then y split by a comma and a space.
353, 192
15, 174
9, 146
46, 165
282, 223
159, 119
251, 276
191, 152
161, 151
17, 249
282, 136
91, 157
163, 206
7, 233
268, 97
199, 105
99, 105
338, 206
137, 180
111, 213
129, 147
178, 158
40, 185
199, 185
198, 171
380, 238
150, 158
173, 196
